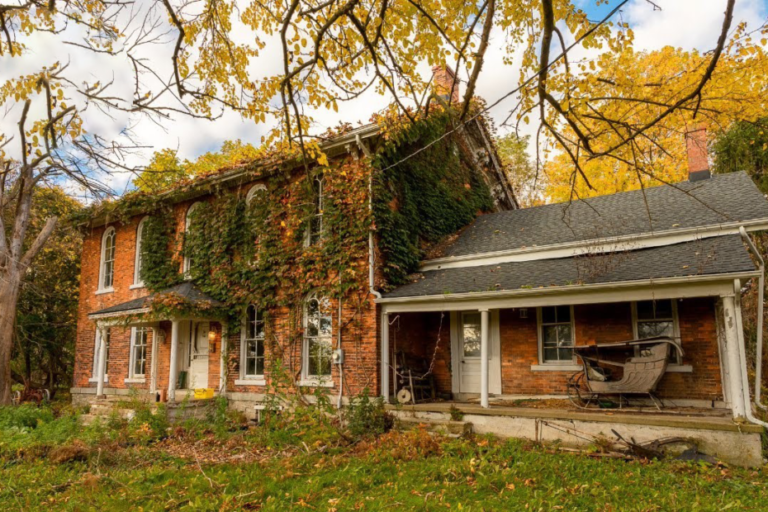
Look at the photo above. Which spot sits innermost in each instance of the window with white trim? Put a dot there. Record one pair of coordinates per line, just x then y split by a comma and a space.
187, 265
556, 335
96, 354
316, 221
258, 191
138, 360
654, 318
107, 267
138, 260
318, 337
252, 349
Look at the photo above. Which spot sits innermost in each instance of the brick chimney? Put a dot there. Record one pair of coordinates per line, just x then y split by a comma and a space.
443, 79
698, 162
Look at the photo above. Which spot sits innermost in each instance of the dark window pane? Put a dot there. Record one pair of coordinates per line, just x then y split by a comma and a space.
563, 313
645, 310
550, 333
550, 354
565, 354
250, 366
564, 335
260, 366
548, 315
663, 309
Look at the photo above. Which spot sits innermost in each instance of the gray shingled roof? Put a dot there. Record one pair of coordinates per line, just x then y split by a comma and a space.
187, 290
722, 198
716, 255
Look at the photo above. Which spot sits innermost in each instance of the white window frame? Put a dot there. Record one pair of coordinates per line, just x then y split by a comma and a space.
110, 231
97, 344
318, 206
187, 264
132, 376
540, 331
675, 328
137, 262
308, 379
259, 187
246, 379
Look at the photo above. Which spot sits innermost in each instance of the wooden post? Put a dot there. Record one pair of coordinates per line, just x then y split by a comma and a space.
385, 356
173, 370
153, 369
484, 353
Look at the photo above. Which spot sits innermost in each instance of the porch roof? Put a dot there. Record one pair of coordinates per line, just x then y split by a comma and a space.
720, 200
709, 256
186, 290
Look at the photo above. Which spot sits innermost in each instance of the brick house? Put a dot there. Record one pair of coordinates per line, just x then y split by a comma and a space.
493, 315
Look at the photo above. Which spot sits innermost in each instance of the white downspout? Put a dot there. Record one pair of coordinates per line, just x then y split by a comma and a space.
743, 358
760, 298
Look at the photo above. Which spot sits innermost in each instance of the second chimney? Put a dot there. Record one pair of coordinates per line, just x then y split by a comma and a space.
445, 84
698, 161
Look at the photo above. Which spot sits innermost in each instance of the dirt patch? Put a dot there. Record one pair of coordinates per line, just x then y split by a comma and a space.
210, 450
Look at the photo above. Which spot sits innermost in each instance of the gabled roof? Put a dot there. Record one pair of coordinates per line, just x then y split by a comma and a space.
721, 199
186, 290
709, 256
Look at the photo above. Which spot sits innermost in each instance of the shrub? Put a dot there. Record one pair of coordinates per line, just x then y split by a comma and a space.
25, 416
367, 417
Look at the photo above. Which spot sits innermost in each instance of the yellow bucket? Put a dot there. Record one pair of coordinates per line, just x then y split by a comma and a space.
203, 393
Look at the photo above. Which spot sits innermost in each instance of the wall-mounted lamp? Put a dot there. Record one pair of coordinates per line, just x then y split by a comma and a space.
212, 341
523, 312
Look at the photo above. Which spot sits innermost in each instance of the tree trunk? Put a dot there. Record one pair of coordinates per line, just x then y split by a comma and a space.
9, 296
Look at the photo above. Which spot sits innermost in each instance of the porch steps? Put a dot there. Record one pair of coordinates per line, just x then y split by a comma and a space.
177, 411
439, 426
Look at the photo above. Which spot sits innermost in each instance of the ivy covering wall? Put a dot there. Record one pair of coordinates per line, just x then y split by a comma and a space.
421, 199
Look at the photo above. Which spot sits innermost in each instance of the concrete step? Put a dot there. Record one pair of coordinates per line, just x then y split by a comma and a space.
447, 427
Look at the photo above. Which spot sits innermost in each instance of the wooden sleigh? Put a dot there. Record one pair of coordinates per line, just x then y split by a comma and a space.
642, 371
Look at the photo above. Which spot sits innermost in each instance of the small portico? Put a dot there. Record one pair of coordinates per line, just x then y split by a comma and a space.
193, 331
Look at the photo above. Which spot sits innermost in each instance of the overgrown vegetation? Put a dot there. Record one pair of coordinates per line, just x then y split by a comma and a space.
307, 460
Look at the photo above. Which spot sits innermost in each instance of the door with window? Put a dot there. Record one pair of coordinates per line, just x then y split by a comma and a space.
198, 356
469, 352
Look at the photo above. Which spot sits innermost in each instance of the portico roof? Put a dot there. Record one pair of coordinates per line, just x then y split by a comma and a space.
187, 291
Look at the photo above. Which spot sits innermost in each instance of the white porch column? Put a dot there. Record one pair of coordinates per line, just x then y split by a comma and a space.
224, 367
733, 360
174, 360
101, 370
153, 368
484, 354
385, 356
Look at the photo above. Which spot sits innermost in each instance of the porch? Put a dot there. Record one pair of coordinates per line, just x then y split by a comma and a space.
713, 430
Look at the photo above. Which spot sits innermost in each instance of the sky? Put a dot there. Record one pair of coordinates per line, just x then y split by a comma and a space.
682, 23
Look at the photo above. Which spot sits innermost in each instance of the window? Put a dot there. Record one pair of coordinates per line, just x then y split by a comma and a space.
139, 351
187, 265
256, 192
318, 337
252, 353
96, 354
137, 280
556, 338
107, 270
316, 221
657, 318
471, 334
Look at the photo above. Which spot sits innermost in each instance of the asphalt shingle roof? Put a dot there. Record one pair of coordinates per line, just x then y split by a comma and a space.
716, 255
186, 290
722, 198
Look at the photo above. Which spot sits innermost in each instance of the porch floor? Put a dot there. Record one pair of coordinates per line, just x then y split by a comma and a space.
674, 417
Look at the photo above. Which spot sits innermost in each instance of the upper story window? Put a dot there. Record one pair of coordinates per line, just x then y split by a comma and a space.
315, 233
556, 335
256, 192
107, 267
138, 262
252, 351
318, 337
187, 265
654, 318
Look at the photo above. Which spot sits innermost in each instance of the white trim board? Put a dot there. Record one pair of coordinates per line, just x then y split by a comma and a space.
598, 245
668, 288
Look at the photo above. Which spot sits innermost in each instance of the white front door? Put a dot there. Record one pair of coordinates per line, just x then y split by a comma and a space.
469, 352
198, 356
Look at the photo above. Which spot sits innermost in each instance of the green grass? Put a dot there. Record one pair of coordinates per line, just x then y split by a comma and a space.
304, 463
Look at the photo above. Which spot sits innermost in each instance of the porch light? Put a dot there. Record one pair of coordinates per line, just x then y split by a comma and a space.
212, 340
523, 312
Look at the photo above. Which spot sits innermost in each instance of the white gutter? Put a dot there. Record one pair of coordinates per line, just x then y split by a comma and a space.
743, 359
502, 294
597, 245
371, 248
759, 340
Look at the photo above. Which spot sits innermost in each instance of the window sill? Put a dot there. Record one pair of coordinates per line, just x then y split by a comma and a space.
316, 383
250, 382
105, 290
135, 380
556, 367
96, 379
136, 286
679, 368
